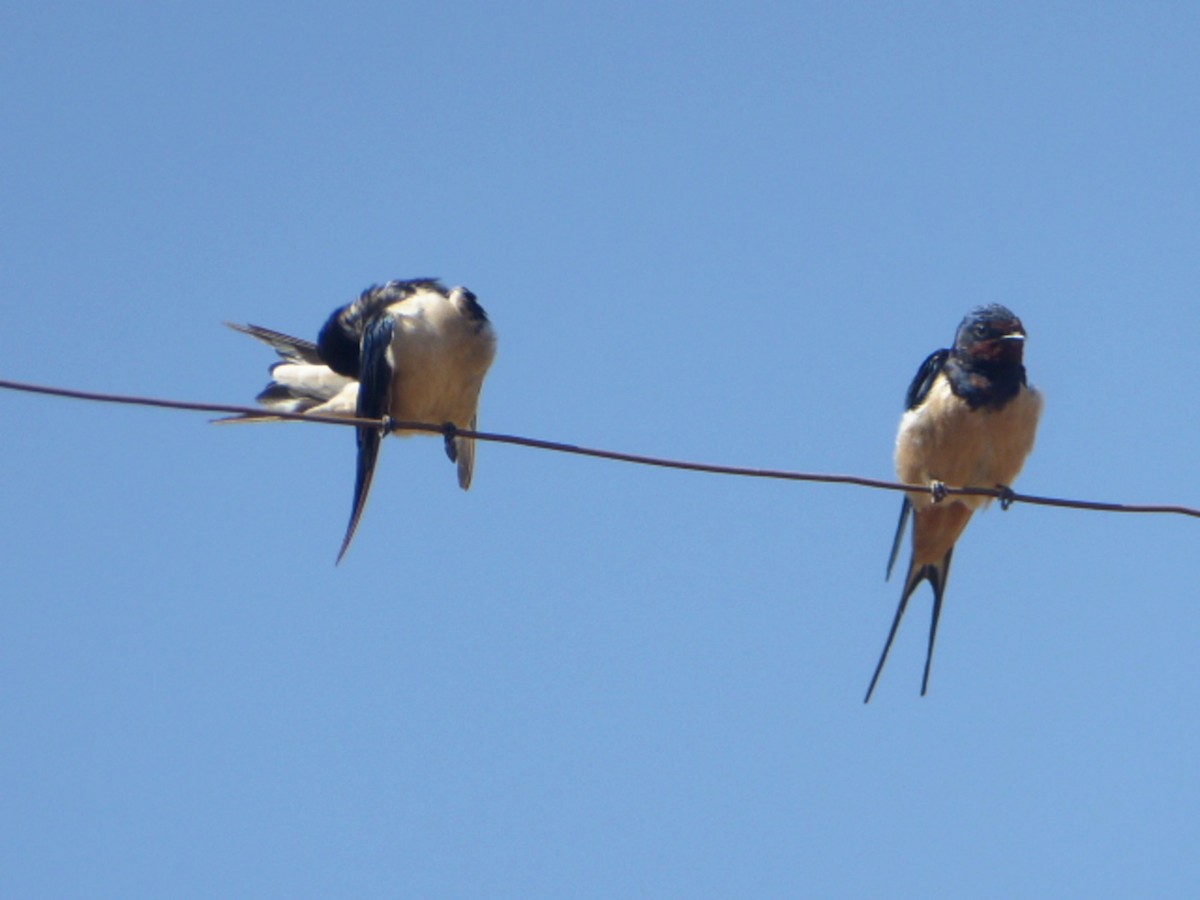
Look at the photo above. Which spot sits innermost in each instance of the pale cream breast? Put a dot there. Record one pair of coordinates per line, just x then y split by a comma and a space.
440, 361
945, 440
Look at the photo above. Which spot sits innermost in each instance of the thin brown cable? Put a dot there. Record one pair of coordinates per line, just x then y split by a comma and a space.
634, 458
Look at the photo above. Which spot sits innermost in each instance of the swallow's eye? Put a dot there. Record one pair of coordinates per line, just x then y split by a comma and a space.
980, 330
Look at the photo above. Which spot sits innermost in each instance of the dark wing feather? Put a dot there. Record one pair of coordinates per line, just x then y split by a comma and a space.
374, 400
288, 398
292, 349
917, 392
923, 381
341, 338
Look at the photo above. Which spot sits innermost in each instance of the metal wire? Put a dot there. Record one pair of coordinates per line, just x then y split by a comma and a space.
1005, 496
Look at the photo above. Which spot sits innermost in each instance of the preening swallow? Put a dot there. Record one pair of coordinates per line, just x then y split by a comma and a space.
970, 422
411, 351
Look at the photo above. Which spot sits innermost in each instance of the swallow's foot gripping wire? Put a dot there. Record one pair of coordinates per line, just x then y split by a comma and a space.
449, 433
1006, 496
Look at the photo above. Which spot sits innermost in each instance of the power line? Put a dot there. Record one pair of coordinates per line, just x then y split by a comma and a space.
1006, 497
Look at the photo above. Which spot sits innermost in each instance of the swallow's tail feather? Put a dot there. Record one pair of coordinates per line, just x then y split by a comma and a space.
935, 574
464, 452
888, 645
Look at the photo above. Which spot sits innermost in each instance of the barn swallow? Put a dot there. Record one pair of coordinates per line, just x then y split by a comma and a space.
410, 351
970, 422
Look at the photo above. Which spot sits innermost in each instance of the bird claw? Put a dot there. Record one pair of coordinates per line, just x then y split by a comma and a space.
937, 490
1006, 496
449, 433
386, 425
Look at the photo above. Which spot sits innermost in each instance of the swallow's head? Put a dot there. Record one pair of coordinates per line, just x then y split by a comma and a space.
990, 335
467, 305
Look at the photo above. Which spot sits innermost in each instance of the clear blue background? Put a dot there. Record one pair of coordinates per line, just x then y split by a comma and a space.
728, 232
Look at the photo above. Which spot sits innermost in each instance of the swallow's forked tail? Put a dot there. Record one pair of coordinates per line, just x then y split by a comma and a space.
935, 574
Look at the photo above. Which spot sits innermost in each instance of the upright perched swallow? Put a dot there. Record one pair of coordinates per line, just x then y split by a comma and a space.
970, 422
409, 350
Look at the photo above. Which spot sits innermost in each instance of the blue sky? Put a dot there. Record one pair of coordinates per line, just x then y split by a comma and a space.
727, 233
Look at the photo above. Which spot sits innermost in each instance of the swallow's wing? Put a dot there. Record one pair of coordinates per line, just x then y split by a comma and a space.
374, 399
918, 390
340, 342
935, 574
925, 377
300, 381
293, 349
